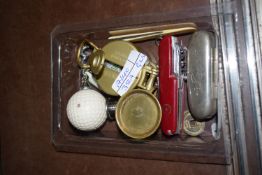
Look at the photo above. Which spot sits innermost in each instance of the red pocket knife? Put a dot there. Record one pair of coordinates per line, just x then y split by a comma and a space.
171, 66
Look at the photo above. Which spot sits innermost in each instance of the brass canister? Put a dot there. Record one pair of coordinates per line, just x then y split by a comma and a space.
138, 114
115, 55
106, 64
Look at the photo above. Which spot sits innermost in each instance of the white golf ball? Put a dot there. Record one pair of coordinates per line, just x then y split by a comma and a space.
86, 110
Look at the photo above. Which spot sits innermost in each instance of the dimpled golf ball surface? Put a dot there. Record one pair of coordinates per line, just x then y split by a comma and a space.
86, 110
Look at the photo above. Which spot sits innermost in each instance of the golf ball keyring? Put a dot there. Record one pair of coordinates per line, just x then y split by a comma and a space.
86, 110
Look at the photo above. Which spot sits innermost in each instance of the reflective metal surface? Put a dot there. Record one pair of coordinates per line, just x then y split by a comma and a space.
227, 16
202, 75
254, 62
138, 114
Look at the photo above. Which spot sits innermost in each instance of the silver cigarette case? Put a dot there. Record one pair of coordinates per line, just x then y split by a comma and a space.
202, 68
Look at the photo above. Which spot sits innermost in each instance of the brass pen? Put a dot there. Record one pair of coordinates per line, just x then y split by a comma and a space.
152, 32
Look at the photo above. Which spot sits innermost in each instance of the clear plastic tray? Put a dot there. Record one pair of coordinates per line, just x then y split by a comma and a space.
109, 140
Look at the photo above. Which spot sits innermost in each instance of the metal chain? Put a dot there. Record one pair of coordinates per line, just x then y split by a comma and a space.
85, 79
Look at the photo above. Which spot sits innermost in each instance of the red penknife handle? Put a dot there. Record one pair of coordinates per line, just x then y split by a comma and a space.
168, 83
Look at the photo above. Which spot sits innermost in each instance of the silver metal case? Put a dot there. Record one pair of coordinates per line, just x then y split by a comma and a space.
202, 68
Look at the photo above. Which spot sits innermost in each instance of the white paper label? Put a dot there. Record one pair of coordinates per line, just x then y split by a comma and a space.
127, 76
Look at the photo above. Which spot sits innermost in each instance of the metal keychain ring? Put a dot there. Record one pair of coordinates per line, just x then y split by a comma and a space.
79, 53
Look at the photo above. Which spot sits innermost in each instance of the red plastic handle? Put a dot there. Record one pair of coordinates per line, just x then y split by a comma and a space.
168, 83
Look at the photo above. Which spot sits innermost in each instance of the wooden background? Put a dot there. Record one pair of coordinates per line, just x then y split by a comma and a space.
25, 88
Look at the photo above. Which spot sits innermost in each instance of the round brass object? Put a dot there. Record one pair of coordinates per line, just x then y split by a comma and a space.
191, 126
115, 54
85, 49
138, 114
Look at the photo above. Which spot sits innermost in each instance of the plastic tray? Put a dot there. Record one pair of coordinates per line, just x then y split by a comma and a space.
109, 140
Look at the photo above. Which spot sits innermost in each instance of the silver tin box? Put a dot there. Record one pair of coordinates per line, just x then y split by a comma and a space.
202, 71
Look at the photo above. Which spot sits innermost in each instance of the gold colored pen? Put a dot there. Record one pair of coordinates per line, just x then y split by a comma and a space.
152, 32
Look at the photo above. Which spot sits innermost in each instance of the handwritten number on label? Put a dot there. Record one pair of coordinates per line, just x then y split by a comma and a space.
129, 72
